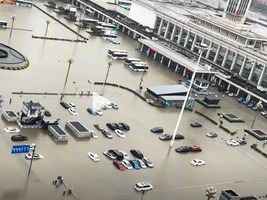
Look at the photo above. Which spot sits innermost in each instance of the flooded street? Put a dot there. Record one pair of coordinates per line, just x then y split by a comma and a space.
237, 168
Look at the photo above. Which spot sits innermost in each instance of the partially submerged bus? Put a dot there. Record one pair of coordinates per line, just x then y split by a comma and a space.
138, 66
128, 61
118, 54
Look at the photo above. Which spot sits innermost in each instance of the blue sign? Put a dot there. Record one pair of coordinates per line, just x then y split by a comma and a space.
24, 148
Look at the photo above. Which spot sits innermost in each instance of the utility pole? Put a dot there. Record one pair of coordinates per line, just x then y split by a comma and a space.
11, 29
141, 81
70, 61
33, 153
106, 78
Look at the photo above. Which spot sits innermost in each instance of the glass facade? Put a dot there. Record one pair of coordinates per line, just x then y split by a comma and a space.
247, 68
213, 50
256, 73
176, 34
229, 59
170, 29
238, 63
157, 24
198, 41
183, 37
221, 56
163, 28
264, 79
190, 41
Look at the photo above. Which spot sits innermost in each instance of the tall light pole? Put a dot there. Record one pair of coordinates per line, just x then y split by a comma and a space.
46, 29
106, 78
201, 47
141, 81
259, 108
70, 61
11, 29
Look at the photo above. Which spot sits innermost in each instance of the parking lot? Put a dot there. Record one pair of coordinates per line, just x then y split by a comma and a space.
238, 168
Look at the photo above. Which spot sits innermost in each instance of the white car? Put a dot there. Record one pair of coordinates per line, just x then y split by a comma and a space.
37, 156
11, 130
72, 111
99, 113
94, 156
232, 142
142, 164
211, 135
94, 135
126, 164
197, 162
143, 186
72, 105
120, 133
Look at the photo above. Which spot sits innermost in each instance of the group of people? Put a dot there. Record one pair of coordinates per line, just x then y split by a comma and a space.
59, 181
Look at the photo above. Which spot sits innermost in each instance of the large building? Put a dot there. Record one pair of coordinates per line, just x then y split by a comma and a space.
236, 48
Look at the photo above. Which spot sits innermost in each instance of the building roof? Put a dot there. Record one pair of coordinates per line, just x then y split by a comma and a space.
173, 98
176, 57
164, 90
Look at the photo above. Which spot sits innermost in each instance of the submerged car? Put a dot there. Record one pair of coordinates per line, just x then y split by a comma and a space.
119, 165
112, 126
19, 138
167, 137
196, 125
72, 111
211, 135
183, 149
142, 164
94, 156
123, 126
120, 133
197, 162
136, 153
11, 130
148, 162
127, 164
135, 164
157, 130
65, 105
143, 186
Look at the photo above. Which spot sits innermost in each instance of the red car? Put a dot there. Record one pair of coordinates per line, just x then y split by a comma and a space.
196, 148
119, 165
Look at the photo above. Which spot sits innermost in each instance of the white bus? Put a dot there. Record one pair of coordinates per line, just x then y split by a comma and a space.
138, 66
118, 54
128, 61
3, 24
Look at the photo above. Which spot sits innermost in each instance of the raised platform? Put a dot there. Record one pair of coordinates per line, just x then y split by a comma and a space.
232, 118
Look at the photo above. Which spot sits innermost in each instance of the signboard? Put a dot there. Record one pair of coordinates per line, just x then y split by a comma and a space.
24, 148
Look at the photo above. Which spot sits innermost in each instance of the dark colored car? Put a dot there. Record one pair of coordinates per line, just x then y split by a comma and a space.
107, 134
64, 105
112, 126
19, 138
123, 126
183, 149
157, 130
119, 165
136, 153
148, 162
47, 113
135, 164
167, 137
195, 124
117, 153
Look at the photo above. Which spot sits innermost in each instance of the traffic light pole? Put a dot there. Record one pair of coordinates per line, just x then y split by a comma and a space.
33, 152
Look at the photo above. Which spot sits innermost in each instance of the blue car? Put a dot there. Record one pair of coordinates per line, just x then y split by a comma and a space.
135, 164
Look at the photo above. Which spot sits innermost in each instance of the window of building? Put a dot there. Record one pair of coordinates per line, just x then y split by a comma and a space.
176, 34
163, 28
183, 37
221, 56
213, 51
198, 42
170, 29
207, 42
247, 68
238, 63
190, 41
157, 24
256, 73
264, 79
229, 59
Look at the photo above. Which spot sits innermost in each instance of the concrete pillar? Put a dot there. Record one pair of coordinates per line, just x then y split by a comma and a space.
194, 42
252, 69
225, 57
147, 52
161, 60
134, 35
228, 87
237, 92
176, 68
128, 32
261, 76
242, 66
167, 30
169, 63
160, 26
142, 47
180, 35
173, 31
123, 29
233, 63
217, 53
155, 55
209, 49
187, 37
184, 72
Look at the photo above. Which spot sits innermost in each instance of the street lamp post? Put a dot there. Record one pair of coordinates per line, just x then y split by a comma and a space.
141, 81
33, 146
47, 24
106, 78
259, 107
70, 61
12, 26
201, 47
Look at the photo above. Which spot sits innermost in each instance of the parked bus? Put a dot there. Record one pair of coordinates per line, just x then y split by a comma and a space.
138, 66
3, 24
118, 54
128, 61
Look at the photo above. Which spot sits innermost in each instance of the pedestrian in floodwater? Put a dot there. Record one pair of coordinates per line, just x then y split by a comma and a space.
10, 100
